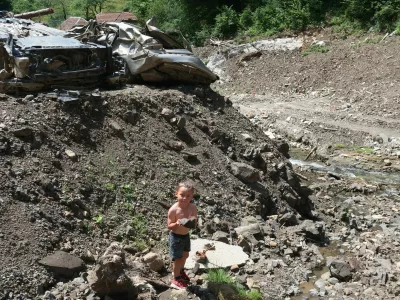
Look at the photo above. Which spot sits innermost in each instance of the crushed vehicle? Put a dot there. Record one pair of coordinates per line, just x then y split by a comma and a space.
34, 57
147, 55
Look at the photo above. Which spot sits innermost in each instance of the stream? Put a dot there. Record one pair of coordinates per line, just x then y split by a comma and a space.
342, 171
390, 185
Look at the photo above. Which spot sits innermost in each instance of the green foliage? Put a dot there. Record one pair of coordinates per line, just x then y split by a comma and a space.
255, 295
359, 10
99, 220
315, 49
140, 227
110, 187
357, 149
219, 276
222, 276
386, 15
226, 22
198, 20
398, 27
140, 244
246, 18
129, 193
139, 223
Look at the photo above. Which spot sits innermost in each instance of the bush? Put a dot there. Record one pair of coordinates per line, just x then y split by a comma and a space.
315, 49
219, 276
246, 18
359, 10
222, 276
298, 16
397, 28
254, 295
266, 20
226, 22
386, 17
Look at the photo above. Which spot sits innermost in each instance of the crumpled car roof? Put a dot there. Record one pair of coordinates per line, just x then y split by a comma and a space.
44, 57
152, 56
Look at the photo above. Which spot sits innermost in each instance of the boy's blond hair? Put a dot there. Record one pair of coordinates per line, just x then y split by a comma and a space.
187, 184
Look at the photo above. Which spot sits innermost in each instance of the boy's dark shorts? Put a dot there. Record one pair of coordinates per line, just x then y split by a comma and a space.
178, 244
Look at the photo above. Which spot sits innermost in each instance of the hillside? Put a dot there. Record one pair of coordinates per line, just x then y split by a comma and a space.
78, 174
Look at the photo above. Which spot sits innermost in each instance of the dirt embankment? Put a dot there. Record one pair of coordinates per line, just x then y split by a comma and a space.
343, 102
345, 97
80, 175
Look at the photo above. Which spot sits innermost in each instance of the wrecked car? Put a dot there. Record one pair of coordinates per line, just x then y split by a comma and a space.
35, 57
147, 55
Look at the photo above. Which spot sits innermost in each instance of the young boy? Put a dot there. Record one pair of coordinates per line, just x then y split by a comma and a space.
179, 240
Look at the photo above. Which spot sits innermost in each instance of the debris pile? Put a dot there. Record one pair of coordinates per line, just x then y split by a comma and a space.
34, 57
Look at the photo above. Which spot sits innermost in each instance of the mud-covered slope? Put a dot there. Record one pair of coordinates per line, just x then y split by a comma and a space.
345, 93
74, 176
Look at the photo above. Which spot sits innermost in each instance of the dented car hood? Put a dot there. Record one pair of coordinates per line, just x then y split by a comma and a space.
34, 56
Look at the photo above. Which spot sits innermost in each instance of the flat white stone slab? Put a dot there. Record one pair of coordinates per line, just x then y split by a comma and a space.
223, 256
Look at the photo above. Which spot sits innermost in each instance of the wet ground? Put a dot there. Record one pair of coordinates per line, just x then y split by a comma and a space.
389, 186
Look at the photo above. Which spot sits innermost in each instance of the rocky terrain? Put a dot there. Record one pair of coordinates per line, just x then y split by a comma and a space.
80, 175
340, 106
87, 184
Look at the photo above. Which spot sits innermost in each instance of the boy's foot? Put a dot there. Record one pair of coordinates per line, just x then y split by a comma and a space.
179, 284
184, 276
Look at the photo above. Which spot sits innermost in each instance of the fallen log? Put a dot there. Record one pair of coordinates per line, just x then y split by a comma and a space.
311, 152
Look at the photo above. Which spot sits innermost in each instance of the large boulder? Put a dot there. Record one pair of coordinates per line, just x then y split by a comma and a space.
313, 230
154, 261
252, 229
288, 219
221, 237
245, 172
63, 264
174, 295
109, 278
223, 291
340, 270
248, 220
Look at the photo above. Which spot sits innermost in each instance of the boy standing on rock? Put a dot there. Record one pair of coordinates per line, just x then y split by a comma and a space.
182, 217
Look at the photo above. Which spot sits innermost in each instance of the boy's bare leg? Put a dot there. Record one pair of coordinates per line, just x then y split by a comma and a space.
177, 266
184, 258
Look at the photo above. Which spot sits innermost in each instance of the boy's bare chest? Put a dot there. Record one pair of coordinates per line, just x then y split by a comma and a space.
183, 213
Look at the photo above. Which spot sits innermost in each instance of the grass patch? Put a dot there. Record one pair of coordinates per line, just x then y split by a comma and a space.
369, 40
129, 193
219, 276
315, 49
139, 223
99, 220
110, 187
140, 244
140, 228
254, 295
222, 276
357, 149
364, 150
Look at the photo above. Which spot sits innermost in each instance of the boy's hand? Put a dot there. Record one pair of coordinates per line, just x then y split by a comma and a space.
178, 222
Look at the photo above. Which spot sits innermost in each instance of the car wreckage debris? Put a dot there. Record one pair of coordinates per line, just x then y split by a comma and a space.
34, 57
36, 13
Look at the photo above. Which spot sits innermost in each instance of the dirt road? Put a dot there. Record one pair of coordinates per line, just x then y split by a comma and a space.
347, 96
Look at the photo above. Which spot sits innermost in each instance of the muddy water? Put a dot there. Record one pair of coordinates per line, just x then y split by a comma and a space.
343, 171
389, 184
306, 286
